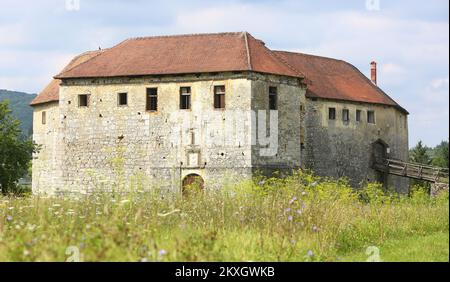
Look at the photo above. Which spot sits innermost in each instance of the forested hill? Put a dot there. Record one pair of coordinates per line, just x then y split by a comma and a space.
19, 103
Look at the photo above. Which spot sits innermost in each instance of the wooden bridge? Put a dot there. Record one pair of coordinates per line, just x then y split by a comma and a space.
413, 170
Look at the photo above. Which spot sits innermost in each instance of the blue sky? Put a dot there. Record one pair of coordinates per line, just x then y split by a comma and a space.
408, 39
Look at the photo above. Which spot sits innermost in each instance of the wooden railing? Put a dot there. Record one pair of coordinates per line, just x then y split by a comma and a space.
413, 170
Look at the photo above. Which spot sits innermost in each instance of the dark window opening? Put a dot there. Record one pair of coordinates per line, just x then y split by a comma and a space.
332, 113
152, 99
44, 117
83, 100
272, 98
370, 116
358, 115
123, 99
345, 115
185, 98
219, 97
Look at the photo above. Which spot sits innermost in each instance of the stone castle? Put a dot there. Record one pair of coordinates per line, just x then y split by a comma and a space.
210, 108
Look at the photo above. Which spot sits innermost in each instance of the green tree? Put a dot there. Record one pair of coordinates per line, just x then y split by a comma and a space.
15, 150
440, 156
419, 154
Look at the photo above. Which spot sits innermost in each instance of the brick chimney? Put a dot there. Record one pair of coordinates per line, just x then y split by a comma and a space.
373, 72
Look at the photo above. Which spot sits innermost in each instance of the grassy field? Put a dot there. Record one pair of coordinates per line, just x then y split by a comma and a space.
299, 218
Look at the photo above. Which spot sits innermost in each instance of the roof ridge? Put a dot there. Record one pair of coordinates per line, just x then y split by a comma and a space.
249, 62
99, 52
183, 35
374, 85
81, 55
273, 55
310, 55
287, 64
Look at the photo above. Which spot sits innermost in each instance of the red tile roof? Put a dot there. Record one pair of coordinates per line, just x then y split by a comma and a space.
51, 91
178, 54
336, 79
239, 51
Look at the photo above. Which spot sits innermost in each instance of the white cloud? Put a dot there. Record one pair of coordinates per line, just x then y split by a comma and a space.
439, 82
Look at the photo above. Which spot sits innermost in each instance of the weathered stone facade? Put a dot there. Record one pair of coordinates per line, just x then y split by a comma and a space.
338, 148
274, 116
92, 147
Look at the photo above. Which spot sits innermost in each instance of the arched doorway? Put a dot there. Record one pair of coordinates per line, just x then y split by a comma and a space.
192, 183
379, 156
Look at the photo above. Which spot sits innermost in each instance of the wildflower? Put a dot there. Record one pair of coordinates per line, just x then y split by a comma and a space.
287, 210
290, 218
303, 193
162, 252
315, 228
299, 212
292, 200
124, 201
9, 218
310, 253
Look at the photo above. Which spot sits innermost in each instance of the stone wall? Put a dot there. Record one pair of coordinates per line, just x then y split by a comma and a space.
344, 149
284, 150
106, 145
47, 163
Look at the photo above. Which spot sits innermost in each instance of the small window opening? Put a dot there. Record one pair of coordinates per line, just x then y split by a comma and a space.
122, 99
44, 117
345, 115
358, 115
331, 113
370, 116
152, 99
219, 97
83, 100
272, 98
185, 98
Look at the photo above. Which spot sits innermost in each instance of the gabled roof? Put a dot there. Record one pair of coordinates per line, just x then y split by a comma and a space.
217, 52
336, 79
51, 91
194, 53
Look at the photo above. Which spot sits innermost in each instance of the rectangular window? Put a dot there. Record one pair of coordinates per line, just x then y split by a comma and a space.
370, 116
83, 100
152, 99
185, 98
122, 99
345, 115
358, 115
44, 117
332, 113
219, 97
272, 98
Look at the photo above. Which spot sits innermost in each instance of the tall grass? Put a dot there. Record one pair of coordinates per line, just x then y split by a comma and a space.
298, 218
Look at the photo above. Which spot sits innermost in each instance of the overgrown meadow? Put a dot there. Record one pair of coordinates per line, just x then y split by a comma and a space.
298, 218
